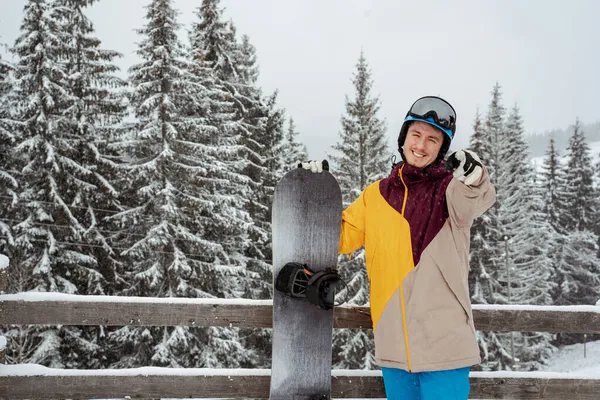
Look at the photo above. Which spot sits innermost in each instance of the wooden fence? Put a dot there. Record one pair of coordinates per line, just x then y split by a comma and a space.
37, 382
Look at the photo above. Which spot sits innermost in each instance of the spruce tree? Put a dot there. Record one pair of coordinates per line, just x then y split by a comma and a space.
176, 227
578, 275
486, 253
552, 181
480, 229
579, 191
530, 240
95, 107
8, 182
361, 159
20, 348
361, 154
242, 118
260, 252
50, 246
293, 151
578, 269
509, 258
597, 190
243, 115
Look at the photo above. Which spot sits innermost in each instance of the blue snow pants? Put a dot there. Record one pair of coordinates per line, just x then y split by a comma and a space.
450, 384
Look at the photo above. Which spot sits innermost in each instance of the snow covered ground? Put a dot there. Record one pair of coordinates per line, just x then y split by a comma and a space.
568, 362
571, 359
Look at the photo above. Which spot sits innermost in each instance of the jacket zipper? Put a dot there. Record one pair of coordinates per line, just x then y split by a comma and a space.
402, 307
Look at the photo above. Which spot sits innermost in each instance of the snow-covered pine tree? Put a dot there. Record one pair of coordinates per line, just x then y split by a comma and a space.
259, 273
480, 230
92, 105
261, 142
260, 252
232, 66
578, 275
552, 181
487, 238
247, 62
180, 229
261, 137
578, 269
8, 182
361, 158
534, 349
19, 346
95, 107
293, 151
597, 189
579, 192
530, 240
597, 173
50, 240
484, 252
361, 154
186, 194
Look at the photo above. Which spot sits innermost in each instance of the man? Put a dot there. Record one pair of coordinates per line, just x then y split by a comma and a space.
415, 226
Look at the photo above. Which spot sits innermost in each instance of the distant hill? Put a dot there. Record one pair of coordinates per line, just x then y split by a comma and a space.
538, 143
538, 161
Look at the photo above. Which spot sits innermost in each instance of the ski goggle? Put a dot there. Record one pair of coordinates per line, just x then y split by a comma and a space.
431, 107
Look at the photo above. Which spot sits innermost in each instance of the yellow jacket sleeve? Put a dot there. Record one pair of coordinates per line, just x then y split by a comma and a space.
352, 234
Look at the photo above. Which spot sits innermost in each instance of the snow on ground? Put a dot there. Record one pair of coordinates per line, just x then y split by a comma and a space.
570, 359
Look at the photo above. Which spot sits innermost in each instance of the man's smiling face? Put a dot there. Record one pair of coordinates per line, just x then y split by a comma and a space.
422, 145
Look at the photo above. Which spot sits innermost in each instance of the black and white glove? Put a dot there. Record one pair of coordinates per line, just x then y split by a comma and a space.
467, 166
315, 165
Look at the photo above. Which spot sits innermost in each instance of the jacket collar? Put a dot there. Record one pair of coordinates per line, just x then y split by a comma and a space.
413, 175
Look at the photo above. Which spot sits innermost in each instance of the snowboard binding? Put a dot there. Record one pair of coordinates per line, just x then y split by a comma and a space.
298, 281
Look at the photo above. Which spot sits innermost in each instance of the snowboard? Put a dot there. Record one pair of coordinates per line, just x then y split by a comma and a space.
306, 223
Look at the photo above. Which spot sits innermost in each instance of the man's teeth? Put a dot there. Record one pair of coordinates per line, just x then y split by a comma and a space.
418, 155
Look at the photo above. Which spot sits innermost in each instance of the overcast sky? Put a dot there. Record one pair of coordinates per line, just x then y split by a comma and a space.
544, 54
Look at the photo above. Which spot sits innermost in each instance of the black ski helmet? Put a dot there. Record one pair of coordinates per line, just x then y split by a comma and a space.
436, 112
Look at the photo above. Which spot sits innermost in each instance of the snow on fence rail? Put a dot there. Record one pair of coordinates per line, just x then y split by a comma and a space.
36, 382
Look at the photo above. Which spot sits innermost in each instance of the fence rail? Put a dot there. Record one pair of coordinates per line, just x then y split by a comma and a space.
57, 309
199, 383
36, 382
